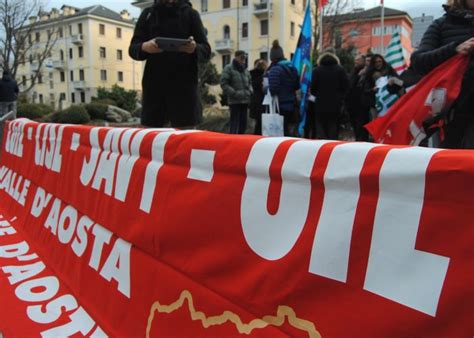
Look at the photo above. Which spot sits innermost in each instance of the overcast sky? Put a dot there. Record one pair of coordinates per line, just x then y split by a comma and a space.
413, 7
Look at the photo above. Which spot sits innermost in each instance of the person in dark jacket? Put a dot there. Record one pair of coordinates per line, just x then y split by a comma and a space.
329, 84
378, 68
283, 82
237, 86
447, 36
170, 79
358, 112
256, 106
8, 94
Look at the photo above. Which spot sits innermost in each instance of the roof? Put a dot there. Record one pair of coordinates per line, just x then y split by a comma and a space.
372, 13
96, 10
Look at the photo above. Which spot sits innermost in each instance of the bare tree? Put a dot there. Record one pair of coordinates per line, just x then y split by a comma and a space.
335, 12
19, 21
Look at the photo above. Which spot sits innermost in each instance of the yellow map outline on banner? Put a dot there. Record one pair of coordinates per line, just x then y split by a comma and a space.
259, 323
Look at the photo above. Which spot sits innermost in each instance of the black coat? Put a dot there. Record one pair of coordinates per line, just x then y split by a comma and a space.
329, 84
256, 107
8, 89
170, 79
438, 45
441, 39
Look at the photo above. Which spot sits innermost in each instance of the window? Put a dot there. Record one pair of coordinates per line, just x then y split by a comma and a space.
70, 30
37, 37
40, 78
103, 75
80, 50
245, 30
203, 6
118, 32
264, 55
51, 81
226, 32
51, 98
70, 53
61, 54
83, 97
81, 74
40, 98
225, 60
119, 54
245, 3
60, 32
73, 98
120, 76
101, 29
102, 52
292, 2
62, 76
62, 96
79, 28
225, 4
292, 29
263, 27
71, 75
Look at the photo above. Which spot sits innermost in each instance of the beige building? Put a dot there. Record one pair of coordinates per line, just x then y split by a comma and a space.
249, 25
91, 51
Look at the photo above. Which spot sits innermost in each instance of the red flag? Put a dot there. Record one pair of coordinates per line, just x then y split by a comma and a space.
322, 3
403, 122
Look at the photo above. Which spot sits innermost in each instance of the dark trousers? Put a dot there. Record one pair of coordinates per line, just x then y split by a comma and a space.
326, 126
238, 118
358, 121
258, 125
310, 124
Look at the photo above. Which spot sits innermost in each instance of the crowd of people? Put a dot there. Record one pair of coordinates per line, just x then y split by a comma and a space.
170, 80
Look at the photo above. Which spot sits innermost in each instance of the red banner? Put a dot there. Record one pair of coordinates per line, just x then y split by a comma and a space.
163, 233
403, 122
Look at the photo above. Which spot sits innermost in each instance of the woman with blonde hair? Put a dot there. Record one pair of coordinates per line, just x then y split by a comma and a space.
447, 36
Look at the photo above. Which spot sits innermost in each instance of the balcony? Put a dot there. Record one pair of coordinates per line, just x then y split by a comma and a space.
262, 9
34, 66
79, 85
59, 64
77, 39
224, 46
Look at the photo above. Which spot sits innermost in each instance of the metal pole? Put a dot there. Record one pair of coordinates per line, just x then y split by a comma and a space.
268, 33
382, 19
238, 24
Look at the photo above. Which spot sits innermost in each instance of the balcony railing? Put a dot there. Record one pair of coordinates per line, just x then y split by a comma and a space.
262, 8
58, 64
79, 85
77, 39
224, 45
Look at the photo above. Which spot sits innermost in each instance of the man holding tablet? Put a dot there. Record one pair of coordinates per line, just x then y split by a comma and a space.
171, 38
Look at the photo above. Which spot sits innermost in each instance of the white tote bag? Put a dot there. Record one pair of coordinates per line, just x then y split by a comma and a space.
272, 121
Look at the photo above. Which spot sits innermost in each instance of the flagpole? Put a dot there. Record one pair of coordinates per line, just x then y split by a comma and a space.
268, 33
382, 24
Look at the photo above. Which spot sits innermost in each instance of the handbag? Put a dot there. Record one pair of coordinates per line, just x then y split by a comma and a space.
272, 121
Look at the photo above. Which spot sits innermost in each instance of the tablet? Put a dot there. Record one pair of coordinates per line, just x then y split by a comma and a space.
170, 44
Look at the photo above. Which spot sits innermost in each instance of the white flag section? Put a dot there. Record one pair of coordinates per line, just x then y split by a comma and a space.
394, 55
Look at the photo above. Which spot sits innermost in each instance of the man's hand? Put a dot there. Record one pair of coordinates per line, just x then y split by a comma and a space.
466, 48
151, 47
190, 47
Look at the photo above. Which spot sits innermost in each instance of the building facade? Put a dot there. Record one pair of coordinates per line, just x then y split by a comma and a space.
91, 51
363, 30
420, 25
249, 25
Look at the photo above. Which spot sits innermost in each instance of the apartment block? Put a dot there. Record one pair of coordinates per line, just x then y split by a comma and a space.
91, 51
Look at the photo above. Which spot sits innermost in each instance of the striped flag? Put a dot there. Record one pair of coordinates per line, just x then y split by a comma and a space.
394, 55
